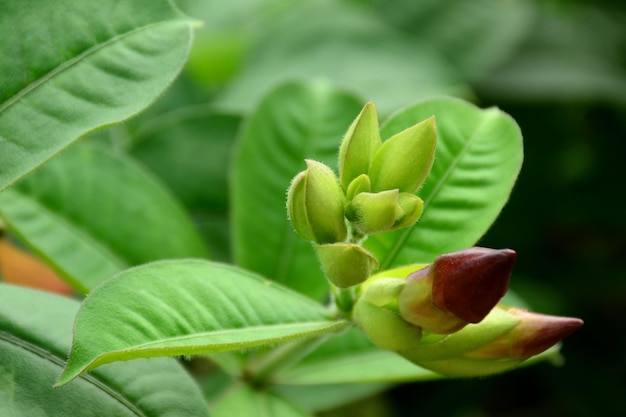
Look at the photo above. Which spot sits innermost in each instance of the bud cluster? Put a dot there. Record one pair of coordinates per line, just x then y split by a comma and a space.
446, 317
374, 193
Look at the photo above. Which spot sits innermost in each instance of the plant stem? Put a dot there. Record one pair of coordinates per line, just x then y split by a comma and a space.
344, 300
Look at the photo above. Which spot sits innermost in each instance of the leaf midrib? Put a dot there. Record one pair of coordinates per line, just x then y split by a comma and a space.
399, 243
253, 329
33, 86
56, 360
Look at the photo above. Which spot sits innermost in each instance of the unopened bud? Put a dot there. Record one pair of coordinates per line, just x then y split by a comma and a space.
404, 160
359, 145
383, 211
534, 334
376, 314
360, 184
346, 264
457, 289
315, 204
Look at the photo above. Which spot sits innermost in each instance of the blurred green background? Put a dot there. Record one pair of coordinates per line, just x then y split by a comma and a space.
558, 67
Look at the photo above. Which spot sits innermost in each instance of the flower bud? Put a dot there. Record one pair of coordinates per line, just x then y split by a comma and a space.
531, 335
346, 264
360, 184
412, 207
404, 160
315, 204
374, 212
457, 289
383, 211
376, 314
534, 334
359, 145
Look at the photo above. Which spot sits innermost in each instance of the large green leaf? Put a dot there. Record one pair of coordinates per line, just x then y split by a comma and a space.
349, 358
35, 335
91, 213
295, 122
477, 160
243, 400
71, 66
348, 46
187, 307
190, 149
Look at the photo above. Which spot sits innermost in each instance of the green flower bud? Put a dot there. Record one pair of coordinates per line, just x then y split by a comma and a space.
346, 264
404, 160
412, 207
359, 145
374, 212
360, 184
383, 211
315, 204
384, 327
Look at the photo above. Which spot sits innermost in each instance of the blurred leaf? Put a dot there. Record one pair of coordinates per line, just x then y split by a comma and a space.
188, 307
90, 214
349, 358
69, 67
477, 160
243, 400
35, 335
315, 398
348, 47
476, 36
296, 121
190, 149
574, 53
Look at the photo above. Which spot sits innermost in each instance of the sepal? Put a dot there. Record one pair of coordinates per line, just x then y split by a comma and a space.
346, 264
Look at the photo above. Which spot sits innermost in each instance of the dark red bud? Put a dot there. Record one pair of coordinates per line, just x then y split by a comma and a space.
469, 283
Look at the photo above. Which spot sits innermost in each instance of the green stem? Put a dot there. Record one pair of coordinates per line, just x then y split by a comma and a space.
344, 300
261, 372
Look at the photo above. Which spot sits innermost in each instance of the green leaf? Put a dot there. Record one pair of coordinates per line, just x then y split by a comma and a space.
574, 53
315, 398
477, 160
187, 307
197, 142
69, 67
347, 46
243, 400
476, 36
295, 122
35, 335
91, 213
349, 358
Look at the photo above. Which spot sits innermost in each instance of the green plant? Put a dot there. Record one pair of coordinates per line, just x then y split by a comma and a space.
271, 322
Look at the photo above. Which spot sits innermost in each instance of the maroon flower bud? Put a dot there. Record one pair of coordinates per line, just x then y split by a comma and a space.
457, 289
534, 334
469, 283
